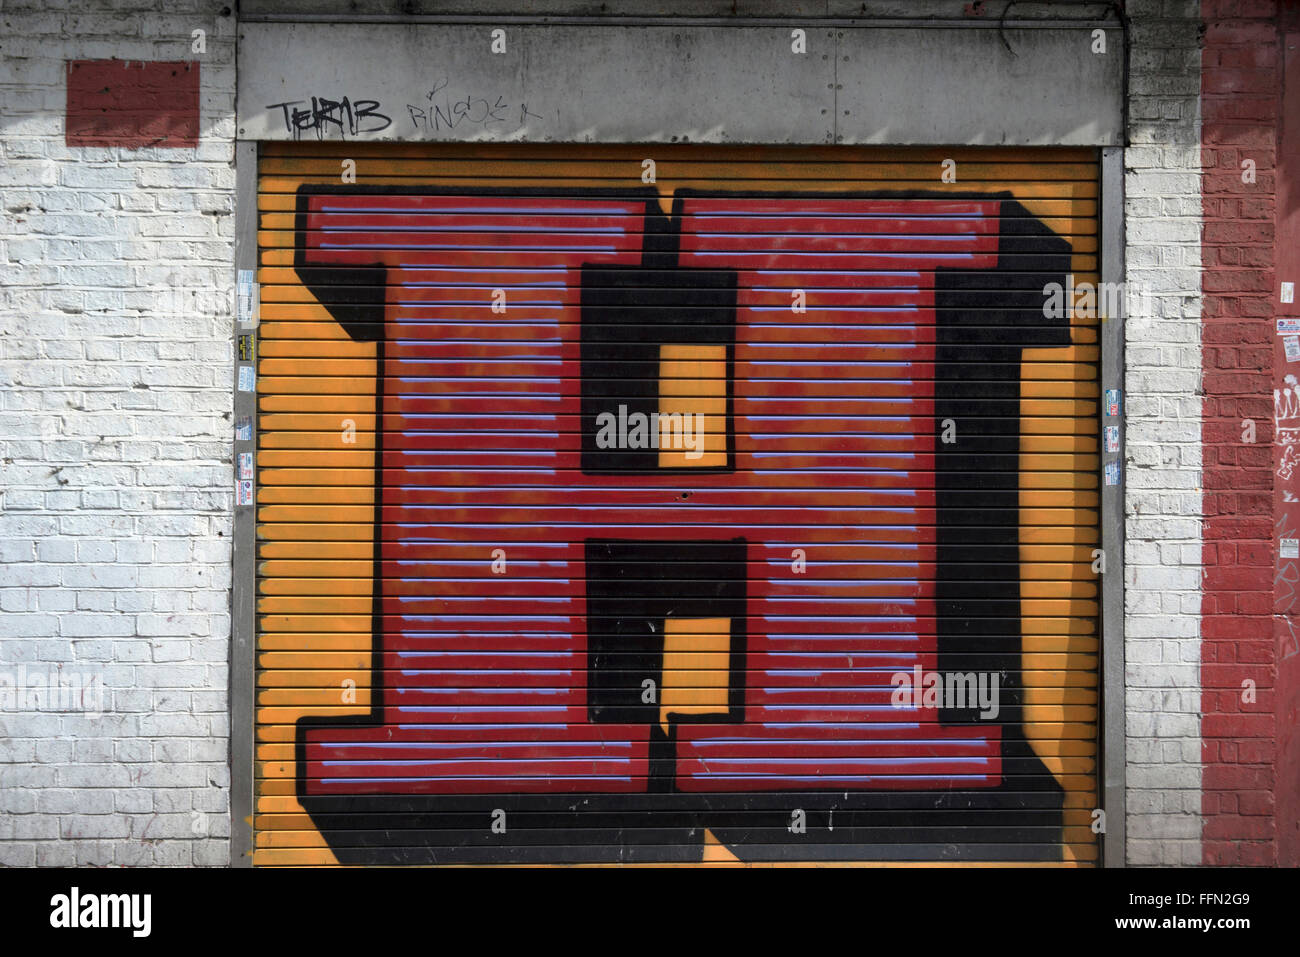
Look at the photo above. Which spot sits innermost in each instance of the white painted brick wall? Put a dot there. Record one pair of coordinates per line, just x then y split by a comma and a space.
115, 447
1163, 418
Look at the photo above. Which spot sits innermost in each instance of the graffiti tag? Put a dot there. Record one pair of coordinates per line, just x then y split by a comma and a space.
347, 117
447, 112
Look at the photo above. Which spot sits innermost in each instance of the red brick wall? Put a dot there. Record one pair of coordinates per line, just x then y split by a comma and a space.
1286, 591
1241, 85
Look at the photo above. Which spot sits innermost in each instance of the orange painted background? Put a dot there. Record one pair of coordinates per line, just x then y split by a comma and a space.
316, 438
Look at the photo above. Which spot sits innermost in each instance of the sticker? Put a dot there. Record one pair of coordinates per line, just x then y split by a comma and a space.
1288, 292
1285, 326
247, 378
1112, 438
1291, 548
1112, 473
246, 347
244, 493
244, 429
245, 465
1292, 346
1112, 401
246, 298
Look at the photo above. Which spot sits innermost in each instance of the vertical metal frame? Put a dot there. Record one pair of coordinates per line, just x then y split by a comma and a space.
244, 574
1111, 746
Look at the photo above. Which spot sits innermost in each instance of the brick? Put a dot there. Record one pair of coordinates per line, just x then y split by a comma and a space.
1239, 257
1163, 497
132, 104
77, 266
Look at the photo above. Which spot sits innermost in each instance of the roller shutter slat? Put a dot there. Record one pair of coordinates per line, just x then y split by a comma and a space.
408, 690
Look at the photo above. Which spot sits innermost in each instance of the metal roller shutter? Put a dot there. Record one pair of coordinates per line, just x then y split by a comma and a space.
603, 520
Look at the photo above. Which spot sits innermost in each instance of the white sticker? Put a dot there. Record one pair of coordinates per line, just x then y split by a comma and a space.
247, 378
1285, 326
245, 465
244, 493
247, 298
1290, 548
1292, 346
1112, 473
1288, 292
1112, 438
